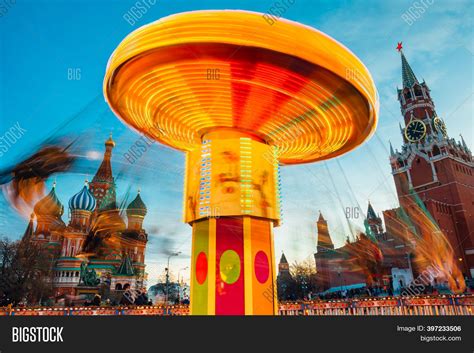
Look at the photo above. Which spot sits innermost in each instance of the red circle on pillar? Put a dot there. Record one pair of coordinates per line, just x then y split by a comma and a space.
262, 267
201, 267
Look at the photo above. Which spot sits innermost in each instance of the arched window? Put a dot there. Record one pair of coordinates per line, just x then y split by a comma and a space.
418, 91
126, 286
407, 94
436, 151
118, 286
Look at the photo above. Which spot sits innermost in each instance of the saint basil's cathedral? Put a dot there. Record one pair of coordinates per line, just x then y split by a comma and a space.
96, 242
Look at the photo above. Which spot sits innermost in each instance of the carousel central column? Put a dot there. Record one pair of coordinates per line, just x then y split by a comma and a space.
232, 203
271, 103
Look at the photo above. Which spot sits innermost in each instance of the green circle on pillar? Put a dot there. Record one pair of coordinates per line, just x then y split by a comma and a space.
229, 266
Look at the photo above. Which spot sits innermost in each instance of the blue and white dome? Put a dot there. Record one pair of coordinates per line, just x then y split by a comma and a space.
83, 200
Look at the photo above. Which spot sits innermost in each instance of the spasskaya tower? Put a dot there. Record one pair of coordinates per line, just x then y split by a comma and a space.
436, 166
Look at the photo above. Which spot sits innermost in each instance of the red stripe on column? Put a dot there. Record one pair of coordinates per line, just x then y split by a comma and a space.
229, 236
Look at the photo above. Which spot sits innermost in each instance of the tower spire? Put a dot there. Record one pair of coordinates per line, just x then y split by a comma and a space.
408, 76
392, 152
104, 173
103, 180
370, 212
324, 238
464, 144
321, 218
372, 223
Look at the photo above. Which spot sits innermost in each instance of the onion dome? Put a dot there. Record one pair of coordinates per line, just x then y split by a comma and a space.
137, 207
83, 200
28, 235
49, 205
109, 141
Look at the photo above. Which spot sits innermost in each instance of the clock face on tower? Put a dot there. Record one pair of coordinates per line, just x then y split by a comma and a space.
415, 130
440, 126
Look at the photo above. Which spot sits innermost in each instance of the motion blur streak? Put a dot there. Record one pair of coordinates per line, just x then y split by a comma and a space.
431, 246
24, 183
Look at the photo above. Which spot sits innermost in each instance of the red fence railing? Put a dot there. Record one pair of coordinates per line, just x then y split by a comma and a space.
438, 305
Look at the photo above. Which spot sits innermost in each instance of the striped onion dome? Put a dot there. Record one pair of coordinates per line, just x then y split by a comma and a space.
137, 207
49, 205
83, 200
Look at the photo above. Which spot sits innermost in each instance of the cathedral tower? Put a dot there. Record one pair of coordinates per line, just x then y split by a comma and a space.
103, 183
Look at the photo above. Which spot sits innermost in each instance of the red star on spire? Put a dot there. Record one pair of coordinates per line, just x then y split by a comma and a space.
399, 46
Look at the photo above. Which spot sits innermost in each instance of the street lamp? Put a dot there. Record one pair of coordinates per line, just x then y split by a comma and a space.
168, 275
182, 269
340, 274
179, 284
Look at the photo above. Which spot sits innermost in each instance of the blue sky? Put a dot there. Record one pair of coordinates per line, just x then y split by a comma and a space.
42, 40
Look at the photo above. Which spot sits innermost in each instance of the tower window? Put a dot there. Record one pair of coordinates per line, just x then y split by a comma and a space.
418, 92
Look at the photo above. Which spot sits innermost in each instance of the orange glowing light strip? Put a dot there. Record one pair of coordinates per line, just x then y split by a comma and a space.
295, 95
